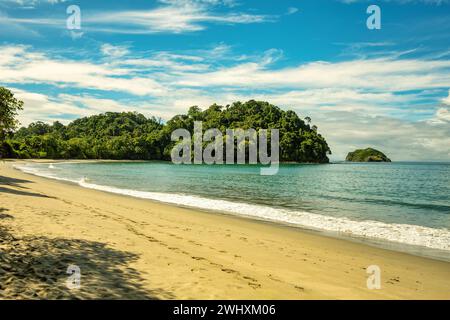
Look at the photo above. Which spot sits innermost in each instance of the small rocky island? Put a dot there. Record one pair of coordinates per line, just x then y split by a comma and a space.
367, 155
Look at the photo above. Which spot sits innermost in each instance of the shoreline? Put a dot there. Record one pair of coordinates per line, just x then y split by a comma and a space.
188, 253
383, 243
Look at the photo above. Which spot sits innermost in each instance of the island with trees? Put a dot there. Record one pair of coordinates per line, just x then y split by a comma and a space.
132, 136
367, 155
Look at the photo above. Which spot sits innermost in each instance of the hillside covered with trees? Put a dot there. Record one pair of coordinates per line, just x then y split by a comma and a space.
367, 155
132, 136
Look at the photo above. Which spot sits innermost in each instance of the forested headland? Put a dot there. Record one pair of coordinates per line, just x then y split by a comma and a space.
367, 155
132, 136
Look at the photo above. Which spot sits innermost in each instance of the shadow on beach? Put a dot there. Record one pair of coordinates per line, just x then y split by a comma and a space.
36, 268
15, 186
5, 215
13, 181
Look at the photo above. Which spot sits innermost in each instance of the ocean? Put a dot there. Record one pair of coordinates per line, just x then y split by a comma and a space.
402, 206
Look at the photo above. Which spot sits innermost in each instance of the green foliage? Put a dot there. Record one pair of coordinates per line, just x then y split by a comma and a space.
9, 106
367, 155
298, 141
133, 136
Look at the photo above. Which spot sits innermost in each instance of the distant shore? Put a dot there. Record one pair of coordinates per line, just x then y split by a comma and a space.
132, 248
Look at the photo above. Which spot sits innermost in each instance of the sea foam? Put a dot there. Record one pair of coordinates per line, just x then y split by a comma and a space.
369, 229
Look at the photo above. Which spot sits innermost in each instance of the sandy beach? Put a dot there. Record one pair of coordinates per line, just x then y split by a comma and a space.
130, 248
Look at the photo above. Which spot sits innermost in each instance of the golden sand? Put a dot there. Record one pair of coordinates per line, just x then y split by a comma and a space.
132, 248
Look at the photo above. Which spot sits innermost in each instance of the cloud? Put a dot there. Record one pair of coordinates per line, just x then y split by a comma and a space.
19, 64
366, 80
66, 107
399, 139
373, 103
40, 107
443, 115
28, 4
114, 51
291, 10
176, 16
373, 74
447, 99
173, 17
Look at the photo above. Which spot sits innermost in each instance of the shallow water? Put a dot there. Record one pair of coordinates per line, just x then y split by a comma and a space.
399, 203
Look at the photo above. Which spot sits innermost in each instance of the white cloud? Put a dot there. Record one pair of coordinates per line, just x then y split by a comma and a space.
30, 3
164, 62
291, 10
443, 114
178, 16
19, 64
114, 51
381, 74
174, 17
400, 140
447, 99
64, 107
40, 107
338, 100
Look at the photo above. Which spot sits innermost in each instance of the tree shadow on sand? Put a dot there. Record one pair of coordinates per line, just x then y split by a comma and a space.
36, 268
15, 186
13, 181
5, 215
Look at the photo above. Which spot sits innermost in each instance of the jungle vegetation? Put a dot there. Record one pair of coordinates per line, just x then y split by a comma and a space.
131, 135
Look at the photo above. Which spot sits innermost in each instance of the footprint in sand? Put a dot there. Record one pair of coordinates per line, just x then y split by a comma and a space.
198, 258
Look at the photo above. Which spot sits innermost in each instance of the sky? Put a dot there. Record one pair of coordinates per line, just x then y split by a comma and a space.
386, 88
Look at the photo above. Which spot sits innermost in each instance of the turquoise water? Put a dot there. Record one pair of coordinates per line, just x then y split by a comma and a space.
399, 202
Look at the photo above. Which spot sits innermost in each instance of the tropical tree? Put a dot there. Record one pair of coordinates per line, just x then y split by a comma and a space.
9, 106
308, 120
130, 135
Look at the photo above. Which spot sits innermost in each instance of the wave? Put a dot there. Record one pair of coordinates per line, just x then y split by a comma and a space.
41, 173
442, 208
401, 233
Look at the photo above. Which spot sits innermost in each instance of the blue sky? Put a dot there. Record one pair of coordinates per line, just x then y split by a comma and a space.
386, 88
